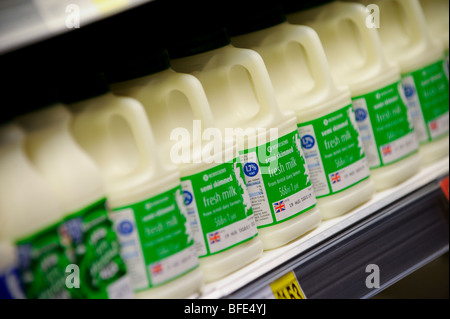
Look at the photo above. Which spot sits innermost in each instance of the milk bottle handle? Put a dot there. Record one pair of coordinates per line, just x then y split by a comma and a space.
135, 116
315, 53
417, 25
369, 36
192, 89
254, 64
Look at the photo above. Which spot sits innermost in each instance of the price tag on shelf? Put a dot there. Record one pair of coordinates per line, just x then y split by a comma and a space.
444, 186
287, 287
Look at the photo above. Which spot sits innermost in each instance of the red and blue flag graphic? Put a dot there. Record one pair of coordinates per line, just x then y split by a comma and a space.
157, 269
214, 237
387, 149
279, 206
433, 125
335, 178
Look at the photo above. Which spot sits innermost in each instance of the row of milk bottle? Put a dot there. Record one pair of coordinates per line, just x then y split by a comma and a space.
218, 148
56, 240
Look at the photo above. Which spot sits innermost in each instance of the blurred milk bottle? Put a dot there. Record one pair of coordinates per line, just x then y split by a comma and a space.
244, 108
76, 181
299, 71
356, 59
437, 17
32, 260
223, 226
419, 51
145, 198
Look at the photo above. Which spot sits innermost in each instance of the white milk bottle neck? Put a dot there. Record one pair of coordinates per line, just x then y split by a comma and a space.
64, 165
53, 117
24, 196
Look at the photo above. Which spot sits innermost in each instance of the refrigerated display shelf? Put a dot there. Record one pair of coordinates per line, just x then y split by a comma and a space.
24, 22
399, 230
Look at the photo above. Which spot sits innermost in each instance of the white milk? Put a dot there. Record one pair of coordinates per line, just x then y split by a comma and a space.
356, 59
437, 17
144, 195
79, 191
244, 106
29, 217
419, 52
331, 142
224, 230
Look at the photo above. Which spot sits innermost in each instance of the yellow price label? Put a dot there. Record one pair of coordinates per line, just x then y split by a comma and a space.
287, 287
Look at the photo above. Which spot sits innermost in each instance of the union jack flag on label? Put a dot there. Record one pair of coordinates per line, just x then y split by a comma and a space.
335, 178
214, 237
157, 269
387, 149
279, 206
434, 125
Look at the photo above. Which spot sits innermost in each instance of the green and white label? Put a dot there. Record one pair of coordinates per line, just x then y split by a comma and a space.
427, 93
334, 152
42, 265
219, 208
92, 245
278, 180
156, 241
385, 125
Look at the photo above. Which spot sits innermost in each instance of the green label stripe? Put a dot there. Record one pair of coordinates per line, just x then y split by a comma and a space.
278, 180
42, 265
219, 208
334, 152
427, 92
446, 64
92, 244
156, 241
385, 125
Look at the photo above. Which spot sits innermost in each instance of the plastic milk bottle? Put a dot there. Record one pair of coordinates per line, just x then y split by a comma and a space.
11, 138
408, 41
31, 215
217, 201
29, 222
356, 59
75, 179
437, 17
28, 215
32, 260
145, 196
215, 194
145, 201
245, 109
299, 71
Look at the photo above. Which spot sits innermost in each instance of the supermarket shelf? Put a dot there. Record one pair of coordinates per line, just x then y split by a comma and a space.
399, 230
23, 22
